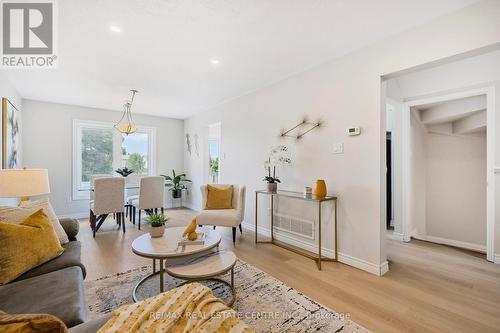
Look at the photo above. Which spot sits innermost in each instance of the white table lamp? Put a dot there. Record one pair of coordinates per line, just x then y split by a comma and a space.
23, 183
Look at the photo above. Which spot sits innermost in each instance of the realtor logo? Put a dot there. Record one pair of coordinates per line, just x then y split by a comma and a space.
28, 34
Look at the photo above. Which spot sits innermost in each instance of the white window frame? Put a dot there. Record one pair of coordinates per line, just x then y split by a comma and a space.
78, 125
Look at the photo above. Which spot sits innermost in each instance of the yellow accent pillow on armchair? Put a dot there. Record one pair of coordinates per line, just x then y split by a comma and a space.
26, 245
219, 197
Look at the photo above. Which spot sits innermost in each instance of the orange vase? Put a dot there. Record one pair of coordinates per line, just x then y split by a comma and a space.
320, 189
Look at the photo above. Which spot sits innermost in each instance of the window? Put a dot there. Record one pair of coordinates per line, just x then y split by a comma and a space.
135, 152
99, 150
214, 133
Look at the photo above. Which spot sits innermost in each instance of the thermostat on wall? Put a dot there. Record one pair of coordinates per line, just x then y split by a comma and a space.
352, 131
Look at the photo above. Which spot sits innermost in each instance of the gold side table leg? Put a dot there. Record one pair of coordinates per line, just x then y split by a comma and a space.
319, 233
162, 271
256, 213
336, 233
272, 218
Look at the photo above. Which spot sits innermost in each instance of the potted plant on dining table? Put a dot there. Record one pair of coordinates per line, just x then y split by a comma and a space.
176, 183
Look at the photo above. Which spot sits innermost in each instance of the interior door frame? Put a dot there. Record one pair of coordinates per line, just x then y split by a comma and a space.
490, 159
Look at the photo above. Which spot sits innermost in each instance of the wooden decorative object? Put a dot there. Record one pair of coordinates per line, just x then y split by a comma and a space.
304, 127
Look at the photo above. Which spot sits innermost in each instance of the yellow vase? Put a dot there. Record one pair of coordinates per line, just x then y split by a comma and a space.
320, 189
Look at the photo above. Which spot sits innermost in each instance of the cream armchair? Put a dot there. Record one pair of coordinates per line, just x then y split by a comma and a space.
224, 217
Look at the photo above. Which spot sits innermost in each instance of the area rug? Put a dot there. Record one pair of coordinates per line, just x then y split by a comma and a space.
265, 303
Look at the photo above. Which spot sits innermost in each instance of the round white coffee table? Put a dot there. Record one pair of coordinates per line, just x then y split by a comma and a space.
166, 247
206, 267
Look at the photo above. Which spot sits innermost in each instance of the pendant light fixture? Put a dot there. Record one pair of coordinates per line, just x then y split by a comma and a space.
126, 124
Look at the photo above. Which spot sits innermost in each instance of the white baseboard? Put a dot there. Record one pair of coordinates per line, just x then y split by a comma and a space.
191, 206
74, 216
451, 242
497, 259
384, 268
86, 214
364, 265
330, 253
396, 236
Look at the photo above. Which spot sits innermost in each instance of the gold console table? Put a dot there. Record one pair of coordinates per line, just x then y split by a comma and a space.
297, 195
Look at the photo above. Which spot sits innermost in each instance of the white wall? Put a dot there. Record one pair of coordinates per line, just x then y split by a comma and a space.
48, 139
394, 124
8, 90
417, 177
456, 188
345, 92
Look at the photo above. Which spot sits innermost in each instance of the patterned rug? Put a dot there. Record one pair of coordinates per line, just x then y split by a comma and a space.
265, 303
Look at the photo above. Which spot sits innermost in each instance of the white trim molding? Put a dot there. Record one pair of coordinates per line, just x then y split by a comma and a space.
364, 265
74, 216
455, 243
78, 125
497, 259
396, 236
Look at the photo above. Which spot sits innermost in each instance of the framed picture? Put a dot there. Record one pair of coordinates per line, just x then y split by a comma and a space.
10, 135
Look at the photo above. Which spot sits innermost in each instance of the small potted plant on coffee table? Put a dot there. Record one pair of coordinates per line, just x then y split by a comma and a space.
157, 222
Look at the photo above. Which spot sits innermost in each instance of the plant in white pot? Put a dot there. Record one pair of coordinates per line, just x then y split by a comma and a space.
157, 222
277, 156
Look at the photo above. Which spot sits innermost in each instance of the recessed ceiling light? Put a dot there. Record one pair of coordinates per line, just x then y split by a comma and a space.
215, 61
115, 28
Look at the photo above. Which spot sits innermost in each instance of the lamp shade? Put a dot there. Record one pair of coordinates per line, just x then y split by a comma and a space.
16, 183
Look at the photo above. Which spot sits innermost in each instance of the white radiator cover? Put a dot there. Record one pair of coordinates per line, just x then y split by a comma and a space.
295, 225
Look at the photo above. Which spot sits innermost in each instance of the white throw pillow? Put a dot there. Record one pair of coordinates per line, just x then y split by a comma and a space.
17, 215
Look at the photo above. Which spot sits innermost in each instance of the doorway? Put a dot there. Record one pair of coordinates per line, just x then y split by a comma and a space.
423, 115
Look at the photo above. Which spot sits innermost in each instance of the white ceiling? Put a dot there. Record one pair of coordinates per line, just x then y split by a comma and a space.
166, 47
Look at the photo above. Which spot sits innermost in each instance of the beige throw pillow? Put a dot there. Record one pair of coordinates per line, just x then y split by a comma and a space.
16, 215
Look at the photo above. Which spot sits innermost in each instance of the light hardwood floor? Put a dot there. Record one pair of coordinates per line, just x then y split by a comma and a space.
429, 288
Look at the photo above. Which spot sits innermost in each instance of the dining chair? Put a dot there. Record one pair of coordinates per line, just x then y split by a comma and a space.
92, 180
109, 198
151, 197
131, 193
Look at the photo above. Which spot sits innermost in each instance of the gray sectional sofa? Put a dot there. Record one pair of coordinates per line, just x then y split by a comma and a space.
55, 287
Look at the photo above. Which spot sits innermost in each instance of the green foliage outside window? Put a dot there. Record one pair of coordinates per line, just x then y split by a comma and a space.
214, 166
137, 163
97, 152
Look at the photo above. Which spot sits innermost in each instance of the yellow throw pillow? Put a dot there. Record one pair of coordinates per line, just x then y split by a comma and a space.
219, 197
47, 209
30, 323
16, 215
26, 245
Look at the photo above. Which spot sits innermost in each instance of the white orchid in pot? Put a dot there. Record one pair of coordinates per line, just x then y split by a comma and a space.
277, 156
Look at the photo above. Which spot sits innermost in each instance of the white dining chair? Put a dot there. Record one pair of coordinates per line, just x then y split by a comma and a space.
151, 197
109, 198
131, 193
92, 180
